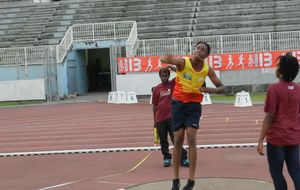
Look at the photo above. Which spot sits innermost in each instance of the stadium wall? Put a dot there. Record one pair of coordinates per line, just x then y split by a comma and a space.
251, 80
22, 83
141, 83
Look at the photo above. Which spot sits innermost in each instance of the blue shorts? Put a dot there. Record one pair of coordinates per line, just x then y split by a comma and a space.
185, 115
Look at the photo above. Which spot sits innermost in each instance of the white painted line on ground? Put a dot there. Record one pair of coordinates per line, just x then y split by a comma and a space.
125, 149
106, 182
59, 185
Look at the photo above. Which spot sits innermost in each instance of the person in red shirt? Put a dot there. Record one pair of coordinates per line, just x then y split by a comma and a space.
281, 125
161, 100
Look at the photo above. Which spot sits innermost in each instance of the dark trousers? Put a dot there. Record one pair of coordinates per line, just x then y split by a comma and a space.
164, 128
277, 155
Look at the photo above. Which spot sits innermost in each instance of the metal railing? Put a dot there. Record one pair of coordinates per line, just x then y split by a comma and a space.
128, 30
77, 33
96, 32
258, 42
131, 41
25, 55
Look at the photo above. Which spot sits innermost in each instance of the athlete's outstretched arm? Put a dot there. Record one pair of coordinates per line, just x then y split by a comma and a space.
220, 88
172, 67
170, 59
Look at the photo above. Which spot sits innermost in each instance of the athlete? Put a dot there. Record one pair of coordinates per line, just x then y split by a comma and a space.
191, 73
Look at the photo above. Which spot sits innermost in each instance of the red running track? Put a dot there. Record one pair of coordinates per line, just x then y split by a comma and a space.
99, 125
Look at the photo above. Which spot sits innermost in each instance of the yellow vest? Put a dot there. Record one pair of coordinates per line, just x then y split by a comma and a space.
188, 82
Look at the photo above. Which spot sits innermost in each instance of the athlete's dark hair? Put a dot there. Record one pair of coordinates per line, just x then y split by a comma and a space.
207, 45
164, 71
288, 67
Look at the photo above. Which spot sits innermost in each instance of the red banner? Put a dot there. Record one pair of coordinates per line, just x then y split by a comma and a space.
227, 61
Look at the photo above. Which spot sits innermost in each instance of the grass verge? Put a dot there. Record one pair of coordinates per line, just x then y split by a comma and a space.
255, 98
23, 102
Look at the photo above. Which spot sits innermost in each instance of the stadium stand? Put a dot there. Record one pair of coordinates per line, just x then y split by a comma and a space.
24, 23
239, 16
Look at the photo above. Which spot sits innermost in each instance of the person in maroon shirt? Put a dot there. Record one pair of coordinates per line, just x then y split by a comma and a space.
281, 125
161, 100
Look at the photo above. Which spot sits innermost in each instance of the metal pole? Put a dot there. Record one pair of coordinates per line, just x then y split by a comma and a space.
270, 42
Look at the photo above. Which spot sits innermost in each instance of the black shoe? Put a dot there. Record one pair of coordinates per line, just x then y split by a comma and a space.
185, 163
167, 162
176, 184
189, 186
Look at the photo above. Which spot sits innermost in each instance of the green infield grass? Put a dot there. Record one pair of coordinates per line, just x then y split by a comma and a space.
255, 98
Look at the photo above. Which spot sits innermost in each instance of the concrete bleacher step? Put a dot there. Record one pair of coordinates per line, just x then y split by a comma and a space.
246, 10
13, 15
16, 3
59, 23
171, 34
8, 21
262, 5
51, 41
8, 32
8, 38
246, 16
25, 39
31, 28
168, 28
155, 23
85, 8
51, 29
23, 44
46, 35
229, 31
100, 3
16, 10
149, 13
36, 17
236, 2
245, 24
5, 44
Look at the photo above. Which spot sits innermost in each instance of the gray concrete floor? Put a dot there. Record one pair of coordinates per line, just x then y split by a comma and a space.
211, 184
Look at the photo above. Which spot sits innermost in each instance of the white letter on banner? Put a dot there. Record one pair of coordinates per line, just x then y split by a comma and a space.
126, 64
261, 59
250, 61
130, 64
256, 59
267, 59
121, 66
215, 61
137, 65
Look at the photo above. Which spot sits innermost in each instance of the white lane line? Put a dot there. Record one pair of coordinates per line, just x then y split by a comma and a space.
113, 183
59, 185
125, 149
80, 151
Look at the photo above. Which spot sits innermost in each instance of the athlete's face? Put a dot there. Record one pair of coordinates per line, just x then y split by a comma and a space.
201, 51
164, 79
